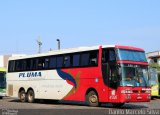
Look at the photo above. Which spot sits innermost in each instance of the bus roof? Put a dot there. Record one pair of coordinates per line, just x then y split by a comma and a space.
74, 50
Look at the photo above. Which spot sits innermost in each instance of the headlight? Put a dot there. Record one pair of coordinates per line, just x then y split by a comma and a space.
126, 91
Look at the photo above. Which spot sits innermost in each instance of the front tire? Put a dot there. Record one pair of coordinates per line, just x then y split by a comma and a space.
22, 96
30, 96
92, 99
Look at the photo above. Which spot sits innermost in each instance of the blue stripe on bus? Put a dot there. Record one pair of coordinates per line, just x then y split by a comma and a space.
66, 76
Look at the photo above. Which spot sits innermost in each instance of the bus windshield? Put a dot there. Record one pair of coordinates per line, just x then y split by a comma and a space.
131, 55
134, 75
2, 80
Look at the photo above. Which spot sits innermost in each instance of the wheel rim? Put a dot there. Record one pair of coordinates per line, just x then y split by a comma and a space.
22, 96
30, 97
93, 99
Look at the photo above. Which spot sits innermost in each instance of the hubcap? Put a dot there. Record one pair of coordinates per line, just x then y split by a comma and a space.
30, 96
93, 98
23, 96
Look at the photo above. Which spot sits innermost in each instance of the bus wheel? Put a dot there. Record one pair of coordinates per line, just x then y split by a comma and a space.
1, 97
117, 105
22, 96
92, 99
30, 96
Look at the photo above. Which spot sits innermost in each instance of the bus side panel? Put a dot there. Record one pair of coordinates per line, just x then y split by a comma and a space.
85, 79
47, 86
60, 84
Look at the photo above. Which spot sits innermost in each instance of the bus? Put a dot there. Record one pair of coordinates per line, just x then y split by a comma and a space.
2, 82
99, 74
154, 82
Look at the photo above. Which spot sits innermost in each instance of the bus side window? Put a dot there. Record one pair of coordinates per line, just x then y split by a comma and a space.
76, 60
93, 58
33, 64
11, 66
52, 62
105, 56
46, 63
24, 64
28, 64
67, 61
18, 65
59, 61
84, 59
40, 64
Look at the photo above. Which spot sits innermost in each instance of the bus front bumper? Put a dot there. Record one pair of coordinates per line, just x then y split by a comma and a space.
135, 98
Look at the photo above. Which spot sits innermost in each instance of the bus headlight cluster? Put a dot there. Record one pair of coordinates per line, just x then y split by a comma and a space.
126, 91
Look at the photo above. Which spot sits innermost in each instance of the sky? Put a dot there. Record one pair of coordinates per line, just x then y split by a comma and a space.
78, 23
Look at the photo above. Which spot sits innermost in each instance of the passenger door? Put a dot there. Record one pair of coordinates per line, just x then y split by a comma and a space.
109, 71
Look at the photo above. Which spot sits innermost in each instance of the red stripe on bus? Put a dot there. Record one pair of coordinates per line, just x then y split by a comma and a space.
129, 48
132, 62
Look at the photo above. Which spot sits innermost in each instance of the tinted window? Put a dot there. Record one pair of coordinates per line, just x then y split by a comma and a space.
93, 58
112, 56
33, 64
76, 60
84, 59
18, 65
28, 64
11, 66
41, 62
67, 61
52, 63
46, 63
108, 55
105, 56
24, 64
59, 61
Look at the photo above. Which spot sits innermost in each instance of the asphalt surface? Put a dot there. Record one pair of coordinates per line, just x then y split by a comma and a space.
15, 107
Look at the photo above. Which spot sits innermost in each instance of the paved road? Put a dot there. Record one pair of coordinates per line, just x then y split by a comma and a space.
71, 107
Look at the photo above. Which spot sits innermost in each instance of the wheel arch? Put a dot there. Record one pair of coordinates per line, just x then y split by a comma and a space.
30, 88
21, 89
